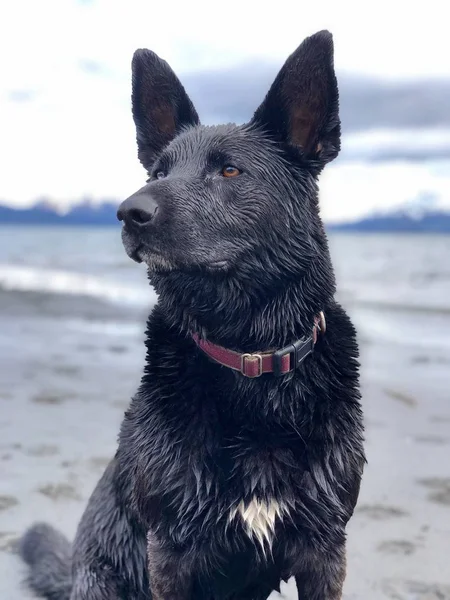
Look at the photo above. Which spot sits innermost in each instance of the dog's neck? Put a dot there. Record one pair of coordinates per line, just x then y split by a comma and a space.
240, 317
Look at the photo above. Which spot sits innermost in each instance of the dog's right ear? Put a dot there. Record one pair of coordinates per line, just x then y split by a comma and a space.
161, 107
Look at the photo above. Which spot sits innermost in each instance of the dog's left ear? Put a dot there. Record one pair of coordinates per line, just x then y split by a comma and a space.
302, 106
161, 106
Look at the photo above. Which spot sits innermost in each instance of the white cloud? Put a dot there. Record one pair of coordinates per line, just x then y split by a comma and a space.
76, 135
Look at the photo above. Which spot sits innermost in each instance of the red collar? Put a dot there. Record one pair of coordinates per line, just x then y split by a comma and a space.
279, 362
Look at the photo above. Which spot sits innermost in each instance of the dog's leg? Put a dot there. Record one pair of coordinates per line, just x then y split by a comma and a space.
169, 572
323, 579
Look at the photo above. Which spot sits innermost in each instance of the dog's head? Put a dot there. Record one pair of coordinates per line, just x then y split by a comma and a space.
219, 197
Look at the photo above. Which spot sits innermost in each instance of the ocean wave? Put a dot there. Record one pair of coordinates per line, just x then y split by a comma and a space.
109, 328
52, 281
402, 328
433, 298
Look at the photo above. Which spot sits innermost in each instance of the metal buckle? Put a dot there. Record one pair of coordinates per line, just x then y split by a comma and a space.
322, 323
258, 357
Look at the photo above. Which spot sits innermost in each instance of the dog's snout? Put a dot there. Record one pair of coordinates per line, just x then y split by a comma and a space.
139, 209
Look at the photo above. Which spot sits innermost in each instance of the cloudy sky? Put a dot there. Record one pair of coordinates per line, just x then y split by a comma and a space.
65, 122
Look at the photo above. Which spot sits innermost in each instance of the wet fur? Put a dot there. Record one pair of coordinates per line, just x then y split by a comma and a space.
200, 443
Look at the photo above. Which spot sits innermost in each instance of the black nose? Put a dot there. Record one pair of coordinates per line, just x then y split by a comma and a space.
138, 209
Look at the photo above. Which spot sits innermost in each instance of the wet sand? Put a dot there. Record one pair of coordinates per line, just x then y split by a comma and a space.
63, 391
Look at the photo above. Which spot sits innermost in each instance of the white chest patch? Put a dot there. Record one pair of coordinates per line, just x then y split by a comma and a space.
259, 518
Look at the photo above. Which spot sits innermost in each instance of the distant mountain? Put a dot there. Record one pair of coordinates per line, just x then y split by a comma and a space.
428, 222
44, 214
36, 215
89, 214
412, 218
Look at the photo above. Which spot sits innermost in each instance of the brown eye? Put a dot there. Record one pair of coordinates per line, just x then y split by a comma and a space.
230, 171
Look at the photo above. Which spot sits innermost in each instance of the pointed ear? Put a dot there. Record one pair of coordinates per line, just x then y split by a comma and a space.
161, 107
302, 106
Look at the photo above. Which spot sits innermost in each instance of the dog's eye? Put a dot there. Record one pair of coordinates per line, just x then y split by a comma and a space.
230, 171
156, 175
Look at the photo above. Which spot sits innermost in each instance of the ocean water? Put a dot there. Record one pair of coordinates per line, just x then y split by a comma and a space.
395, 286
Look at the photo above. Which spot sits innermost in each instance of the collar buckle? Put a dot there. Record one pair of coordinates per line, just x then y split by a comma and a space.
297, 351
251, 365
322, 322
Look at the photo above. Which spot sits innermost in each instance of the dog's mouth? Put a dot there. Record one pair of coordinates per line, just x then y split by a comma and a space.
158, 261
141, 252
135, 255
154, 260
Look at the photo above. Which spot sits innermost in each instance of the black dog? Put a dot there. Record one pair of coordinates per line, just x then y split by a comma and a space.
228, 477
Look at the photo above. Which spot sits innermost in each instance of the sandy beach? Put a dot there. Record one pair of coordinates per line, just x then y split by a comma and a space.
65, 383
